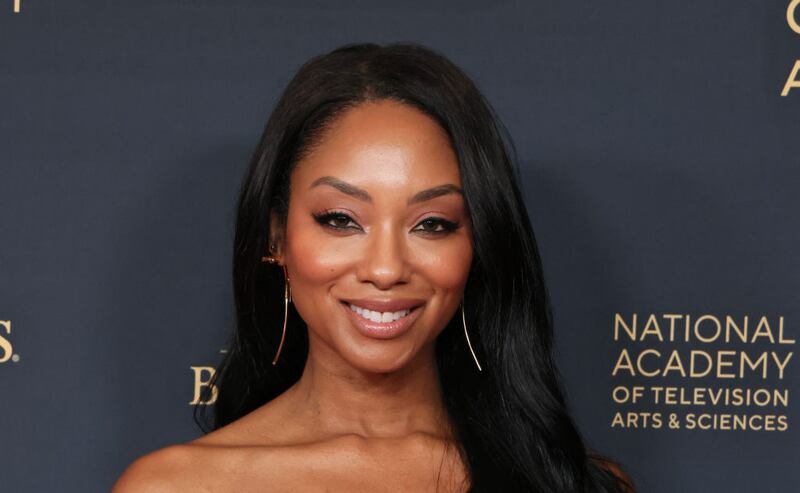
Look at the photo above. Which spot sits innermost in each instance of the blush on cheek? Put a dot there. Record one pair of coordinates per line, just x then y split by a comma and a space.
314, 266
314, 255
446, 267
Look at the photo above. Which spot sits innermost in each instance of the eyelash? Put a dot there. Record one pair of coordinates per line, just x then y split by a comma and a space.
323, 217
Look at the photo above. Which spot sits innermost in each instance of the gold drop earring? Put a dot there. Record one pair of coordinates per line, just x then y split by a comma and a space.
464, 322
287, 296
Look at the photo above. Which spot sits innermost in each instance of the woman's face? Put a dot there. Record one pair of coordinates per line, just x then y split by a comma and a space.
377, 220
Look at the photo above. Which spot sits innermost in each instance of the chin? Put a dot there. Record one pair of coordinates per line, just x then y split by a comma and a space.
384, 362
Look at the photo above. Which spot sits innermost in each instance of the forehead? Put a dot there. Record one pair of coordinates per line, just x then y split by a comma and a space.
382, 143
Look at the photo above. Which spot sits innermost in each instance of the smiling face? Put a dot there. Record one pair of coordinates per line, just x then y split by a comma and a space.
376, 219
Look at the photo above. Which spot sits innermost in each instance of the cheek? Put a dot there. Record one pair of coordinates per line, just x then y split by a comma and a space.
445, 264
314, 258
445, 267
311, 268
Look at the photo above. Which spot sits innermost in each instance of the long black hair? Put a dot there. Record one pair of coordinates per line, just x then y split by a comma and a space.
510, 420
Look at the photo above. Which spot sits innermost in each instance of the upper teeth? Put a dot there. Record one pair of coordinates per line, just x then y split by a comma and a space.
379, 316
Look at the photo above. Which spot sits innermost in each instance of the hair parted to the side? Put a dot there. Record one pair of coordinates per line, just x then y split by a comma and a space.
511, 420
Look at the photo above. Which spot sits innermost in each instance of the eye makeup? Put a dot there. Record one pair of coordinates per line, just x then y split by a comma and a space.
327, 218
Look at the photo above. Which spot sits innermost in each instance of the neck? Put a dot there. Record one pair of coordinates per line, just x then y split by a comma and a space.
335, 398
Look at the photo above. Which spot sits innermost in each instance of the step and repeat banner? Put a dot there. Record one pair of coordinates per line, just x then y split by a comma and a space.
659, 148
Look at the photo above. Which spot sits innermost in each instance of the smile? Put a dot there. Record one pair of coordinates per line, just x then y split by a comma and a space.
381, 324
379, 316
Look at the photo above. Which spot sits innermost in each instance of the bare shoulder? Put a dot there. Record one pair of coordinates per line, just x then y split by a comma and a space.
222, 461
164, 470
212, 462
198, 466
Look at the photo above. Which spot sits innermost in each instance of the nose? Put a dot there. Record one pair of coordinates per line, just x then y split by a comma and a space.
384, 263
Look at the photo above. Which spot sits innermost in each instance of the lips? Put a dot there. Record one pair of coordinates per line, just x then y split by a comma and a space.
408, 308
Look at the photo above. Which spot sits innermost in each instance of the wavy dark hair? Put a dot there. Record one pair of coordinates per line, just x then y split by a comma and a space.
511, 419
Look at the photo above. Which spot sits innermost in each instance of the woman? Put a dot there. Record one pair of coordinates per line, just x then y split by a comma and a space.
393, 326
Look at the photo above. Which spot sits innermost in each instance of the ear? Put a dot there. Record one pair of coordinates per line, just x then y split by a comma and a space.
277, 236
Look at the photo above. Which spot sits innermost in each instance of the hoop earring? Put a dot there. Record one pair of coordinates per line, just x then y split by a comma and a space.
287, 297
464, 321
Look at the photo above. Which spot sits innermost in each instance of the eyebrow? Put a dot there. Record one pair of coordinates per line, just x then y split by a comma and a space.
361, 194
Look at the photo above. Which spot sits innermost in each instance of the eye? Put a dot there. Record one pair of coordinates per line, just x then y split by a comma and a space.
438, 226
341, 221
334, 220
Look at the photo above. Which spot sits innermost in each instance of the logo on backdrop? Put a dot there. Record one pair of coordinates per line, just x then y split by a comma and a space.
205, 393
793, 19
6, 349
678, 371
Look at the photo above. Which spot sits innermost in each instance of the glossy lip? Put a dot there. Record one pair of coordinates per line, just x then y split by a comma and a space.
383, 330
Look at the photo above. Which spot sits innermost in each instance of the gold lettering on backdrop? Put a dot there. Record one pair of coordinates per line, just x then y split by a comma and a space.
17, 6
652, 363
5, 344
652, 328
676, 371
716, 333
629, 329
793, 81
706, 329
701, 396
200, 384
791, 16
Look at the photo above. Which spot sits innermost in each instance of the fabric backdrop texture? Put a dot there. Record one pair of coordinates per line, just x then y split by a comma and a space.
659, 152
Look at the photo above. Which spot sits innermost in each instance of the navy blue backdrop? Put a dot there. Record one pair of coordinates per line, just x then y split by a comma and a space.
658, 144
